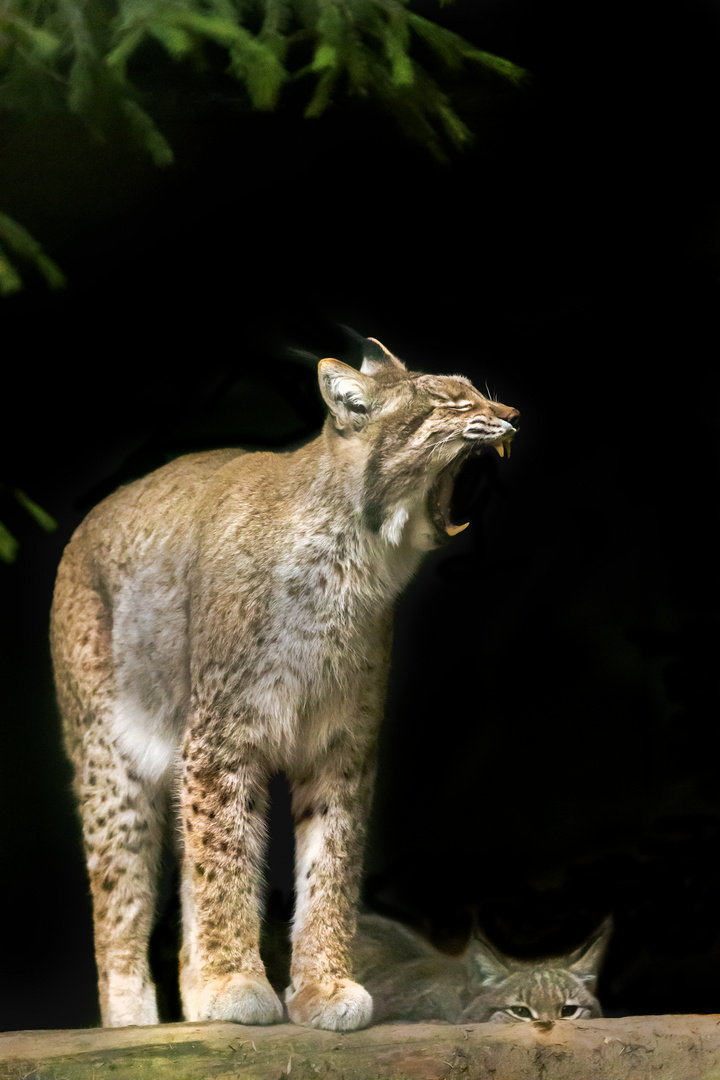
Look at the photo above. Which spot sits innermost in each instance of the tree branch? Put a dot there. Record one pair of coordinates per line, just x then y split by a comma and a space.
609, 1049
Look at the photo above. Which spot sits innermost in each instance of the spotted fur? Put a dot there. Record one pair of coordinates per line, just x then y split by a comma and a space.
229, 616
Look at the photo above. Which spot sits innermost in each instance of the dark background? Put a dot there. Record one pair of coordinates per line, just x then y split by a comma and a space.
551, 748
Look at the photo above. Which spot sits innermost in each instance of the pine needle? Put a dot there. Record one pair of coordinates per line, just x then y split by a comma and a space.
25, 247
10, 280
8, 545
44, 520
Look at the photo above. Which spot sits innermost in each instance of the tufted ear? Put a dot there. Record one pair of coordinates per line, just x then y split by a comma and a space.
348, 393
377, 358
586, 961
490, 966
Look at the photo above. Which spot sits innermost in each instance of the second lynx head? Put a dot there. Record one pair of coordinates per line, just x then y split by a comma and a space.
559, 988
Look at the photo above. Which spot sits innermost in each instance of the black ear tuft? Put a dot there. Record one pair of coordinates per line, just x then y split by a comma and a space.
376, 357
353, 334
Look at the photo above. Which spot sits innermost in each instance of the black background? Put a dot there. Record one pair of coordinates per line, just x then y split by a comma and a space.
551, 748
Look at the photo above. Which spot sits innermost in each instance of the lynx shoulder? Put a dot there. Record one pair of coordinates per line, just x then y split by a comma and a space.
228, 617
410, 980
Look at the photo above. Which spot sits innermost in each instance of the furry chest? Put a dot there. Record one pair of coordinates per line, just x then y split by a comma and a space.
313, 638
307, 647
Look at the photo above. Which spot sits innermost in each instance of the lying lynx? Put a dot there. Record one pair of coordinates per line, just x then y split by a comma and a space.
410, 980
228, 617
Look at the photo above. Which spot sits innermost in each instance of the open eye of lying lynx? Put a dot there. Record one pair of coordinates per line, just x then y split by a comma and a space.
542, 991
569, 1011
410, 980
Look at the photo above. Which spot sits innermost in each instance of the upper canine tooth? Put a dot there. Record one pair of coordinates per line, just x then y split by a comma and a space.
453, 530
500, 448
508, 447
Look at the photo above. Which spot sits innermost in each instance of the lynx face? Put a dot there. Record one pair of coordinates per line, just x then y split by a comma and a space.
562, 988
539, 993
417, 431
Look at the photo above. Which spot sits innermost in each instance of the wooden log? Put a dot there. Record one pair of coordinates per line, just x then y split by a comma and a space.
631, 1048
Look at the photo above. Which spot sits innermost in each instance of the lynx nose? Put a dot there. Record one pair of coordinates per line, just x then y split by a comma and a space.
513, 417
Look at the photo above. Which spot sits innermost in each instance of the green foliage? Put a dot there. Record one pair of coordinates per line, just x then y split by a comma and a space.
77, 56
8, 544
26, 248
78, 53
368, 47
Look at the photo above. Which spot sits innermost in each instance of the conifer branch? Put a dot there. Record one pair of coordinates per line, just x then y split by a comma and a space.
78, 54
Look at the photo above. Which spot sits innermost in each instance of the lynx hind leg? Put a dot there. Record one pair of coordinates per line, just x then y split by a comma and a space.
124, 824
123, 817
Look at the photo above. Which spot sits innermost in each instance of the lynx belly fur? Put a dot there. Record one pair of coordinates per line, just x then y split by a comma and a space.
228, 617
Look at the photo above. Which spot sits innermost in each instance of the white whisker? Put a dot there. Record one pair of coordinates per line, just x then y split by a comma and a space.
441, 442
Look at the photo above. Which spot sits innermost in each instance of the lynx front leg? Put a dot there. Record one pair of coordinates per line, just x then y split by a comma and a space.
330, 813
223, 803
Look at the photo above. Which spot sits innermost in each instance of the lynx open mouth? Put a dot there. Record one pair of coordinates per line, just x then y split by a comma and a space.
460, 487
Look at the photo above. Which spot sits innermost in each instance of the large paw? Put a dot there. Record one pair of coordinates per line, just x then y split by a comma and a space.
339, 1005
246, 999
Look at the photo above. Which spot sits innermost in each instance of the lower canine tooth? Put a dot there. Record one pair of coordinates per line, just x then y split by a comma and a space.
453, 530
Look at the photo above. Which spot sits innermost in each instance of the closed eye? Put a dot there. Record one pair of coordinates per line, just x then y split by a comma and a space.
460, 406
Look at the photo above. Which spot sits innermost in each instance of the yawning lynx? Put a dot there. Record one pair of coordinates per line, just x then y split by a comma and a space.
228, 617
410, 980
